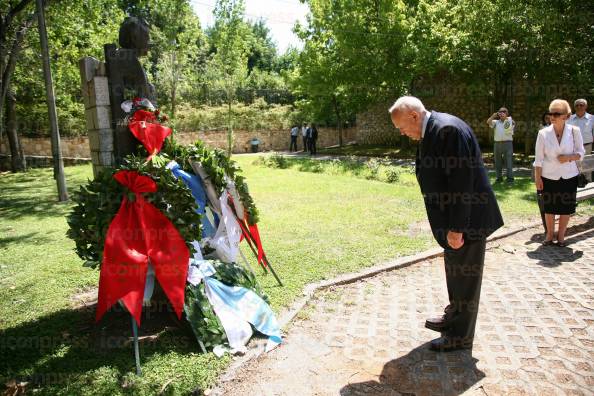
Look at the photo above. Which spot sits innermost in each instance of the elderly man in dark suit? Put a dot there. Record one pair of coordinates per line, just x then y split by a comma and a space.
461, 208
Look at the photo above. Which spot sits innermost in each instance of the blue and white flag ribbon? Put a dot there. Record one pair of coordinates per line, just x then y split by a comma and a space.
237, 307
194, 183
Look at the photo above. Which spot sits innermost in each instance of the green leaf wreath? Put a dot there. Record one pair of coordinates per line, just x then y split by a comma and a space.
98, 202
216, 164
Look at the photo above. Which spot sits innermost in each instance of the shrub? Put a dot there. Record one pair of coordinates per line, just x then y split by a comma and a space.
258, 115
392, 174
276, 160
373, 167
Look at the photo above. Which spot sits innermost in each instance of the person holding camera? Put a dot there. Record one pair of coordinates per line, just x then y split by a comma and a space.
503, 149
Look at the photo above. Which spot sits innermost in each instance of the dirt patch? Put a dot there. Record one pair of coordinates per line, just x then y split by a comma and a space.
84, 298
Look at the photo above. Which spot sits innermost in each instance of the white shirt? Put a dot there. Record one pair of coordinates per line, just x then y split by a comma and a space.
548, 149
425, 121
304, 131
586, 125
294, 131
504, 130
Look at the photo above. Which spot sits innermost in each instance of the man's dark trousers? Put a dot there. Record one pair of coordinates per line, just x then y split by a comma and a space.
464, 273
293, 146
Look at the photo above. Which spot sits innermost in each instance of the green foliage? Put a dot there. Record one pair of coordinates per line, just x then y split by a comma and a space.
75, 29
500, 43
274, 160
97, 203
236, 60
261, 48
218, 167
179, 53
205, 324
392, 175
373, 165
256, 116
380, 169
228, 66
354, 54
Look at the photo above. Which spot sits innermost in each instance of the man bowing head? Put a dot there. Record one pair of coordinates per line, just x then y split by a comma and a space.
461, 208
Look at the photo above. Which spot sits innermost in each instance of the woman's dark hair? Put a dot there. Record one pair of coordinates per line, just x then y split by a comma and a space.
543, 118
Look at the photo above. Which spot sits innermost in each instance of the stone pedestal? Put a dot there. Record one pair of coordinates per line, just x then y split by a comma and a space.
95, 92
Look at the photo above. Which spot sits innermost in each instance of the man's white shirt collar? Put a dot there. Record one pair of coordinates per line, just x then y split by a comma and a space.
427, 114
587, 116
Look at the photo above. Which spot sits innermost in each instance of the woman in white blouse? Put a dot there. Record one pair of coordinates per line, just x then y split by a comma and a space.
558, 147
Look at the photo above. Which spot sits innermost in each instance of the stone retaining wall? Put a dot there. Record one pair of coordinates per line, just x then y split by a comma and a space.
270, 140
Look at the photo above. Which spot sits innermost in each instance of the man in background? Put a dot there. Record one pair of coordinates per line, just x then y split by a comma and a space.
585, 121
304, 135
503, 148
294, 134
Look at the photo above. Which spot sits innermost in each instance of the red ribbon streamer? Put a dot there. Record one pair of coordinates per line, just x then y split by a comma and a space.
148, 131
138, 233
256, 235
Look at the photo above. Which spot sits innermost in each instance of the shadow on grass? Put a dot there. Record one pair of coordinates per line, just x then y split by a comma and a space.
502, 189
422, 371
59, 349
12, 208
372, 151
34, 193
33, 237
380, 169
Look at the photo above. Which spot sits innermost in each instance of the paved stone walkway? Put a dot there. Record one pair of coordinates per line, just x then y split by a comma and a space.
535, 333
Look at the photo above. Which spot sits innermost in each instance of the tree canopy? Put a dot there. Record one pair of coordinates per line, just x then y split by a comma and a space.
355, 53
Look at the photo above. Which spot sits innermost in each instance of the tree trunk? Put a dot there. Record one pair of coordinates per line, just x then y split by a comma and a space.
338, 120
528, 127
174, 78
229, 130
9, 52
18, 162
173, 101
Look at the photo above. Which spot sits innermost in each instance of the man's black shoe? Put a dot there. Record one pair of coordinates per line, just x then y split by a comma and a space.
438, 324
448, 344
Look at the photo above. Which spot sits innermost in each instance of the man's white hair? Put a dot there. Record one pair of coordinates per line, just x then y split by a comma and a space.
407, 103
580, 101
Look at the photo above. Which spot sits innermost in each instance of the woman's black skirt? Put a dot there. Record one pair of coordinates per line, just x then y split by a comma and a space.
559, 195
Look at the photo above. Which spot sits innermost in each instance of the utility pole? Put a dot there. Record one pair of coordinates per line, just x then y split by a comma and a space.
51, 106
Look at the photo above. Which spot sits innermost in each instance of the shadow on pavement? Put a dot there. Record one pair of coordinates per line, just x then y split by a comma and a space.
422, 371
554, 256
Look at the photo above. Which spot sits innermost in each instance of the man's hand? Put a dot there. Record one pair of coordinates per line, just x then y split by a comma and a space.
455, 240
539, 183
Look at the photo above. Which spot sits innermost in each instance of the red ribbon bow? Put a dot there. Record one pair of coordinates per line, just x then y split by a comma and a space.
148, 131
138, 233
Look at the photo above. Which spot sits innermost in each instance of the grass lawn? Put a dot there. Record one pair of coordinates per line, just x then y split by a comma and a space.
314, 226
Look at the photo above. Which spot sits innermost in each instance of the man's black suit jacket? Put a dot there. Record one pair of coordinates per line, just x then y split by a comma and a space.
456, 190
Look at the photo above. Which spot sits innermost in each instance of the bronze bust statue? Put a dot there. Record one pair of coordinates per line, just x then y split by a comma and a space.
127, 79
